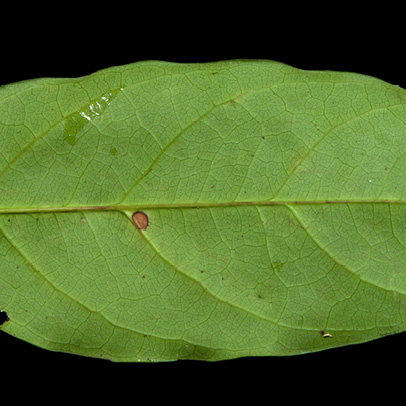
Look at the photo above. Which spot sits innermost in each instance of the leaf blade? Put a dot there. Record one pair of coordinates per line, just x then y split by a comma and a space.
272, 195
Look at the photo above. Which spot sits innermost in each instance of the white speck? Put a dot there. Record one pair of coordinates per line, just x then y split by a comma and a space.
370, 180
83, 114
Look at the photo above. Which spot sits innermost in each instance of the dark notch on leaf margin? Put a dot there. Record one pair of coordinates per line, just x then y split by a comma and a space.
3, 317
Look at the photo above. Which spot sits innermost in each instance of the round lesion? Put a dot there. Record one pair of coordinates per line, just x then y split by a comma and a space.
140, 219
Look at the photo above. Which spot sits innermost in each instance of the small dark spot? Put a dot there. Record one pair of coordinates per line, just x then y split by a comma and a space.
388, 333
3, 317
263, 137
386, 169
140, 219
277, 266
143, 276
202, 271
259, 297
83, 220
9, 220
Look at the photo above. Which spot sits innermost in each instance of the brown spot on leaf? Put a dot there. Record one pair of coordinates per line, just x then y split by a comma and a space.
140, 220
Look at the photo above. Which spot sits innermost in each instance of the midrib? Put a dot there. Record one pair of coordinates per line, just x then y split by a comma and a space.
196, 205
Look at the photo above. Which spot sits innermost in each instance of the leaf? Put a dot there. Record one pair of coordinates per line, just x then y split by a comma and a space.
160, 211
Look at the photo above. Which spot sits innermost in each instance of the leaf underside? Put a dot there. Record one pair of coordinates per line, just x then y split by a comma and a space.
268, 204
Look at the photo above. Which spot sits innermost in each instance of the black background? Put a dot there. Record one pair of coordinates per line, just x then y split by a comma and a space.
78, 41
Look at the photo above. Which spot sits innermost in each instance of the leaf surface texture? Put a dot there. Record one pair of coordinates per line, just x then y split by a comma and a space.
270, 207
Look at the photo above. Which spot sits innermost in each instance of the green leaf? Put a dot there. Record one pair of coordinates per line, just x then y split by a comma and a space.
160, 211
